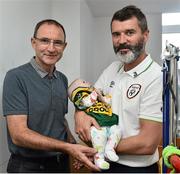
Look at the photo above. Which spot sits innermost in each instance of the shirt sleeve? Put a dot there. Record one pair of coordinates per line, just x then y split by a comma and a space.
14, 95
151, 105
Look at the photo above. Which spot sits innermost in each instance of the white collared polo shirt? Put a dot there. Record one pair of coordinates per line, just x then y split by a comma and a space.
135, 94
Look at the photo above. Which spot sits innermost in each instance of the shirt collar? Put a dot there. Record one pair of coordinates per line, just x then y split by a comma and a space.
40, 70
142, 67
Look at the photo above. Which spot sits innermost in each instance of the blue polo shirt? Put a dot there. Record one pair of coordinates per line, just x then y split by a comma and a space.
28, 90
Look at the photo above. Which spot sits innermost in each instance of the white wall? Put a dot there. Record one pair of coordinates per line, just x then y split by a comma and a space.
17, 22
154, 46
103, 53
87, 41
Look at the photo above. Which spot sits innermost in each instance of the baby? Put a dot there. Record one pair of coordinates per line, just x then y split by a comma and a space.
85, 97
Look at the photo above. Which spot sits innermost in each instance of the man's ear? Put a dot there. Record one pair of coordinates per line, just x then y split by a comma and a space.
65, 46
33, 42
146, 35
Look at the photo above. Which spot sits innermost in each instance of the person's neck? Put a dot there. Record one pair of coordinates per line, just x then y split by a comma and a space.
48, 68
132, 65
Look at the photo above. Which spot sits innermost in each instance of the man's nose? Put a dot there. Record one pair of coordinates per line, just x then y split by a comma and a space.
51, 46
122, 39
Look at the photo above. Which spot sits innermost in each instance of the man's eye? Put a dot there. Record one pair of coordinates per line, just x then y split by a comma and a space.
116, 34
45, 41
130, 33
58, 43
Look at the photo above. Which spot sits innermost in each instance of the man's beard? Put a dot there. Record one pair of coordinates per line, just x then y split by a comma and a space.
133, 53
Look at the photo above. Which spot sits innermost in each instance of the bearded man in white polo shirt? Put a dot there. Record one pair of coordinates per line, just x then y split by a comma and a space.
135, 83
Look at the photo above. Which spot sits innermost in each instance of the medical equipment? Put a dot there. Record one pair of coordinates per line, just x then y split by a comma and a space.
170, 58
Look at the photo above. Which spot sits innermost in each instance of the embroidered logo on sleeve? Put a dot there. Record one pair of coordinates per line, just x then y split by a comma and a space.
133, 90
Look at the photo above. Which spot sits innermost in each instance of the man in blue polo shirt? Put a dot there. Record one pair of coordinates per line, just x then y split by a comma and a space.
35, 102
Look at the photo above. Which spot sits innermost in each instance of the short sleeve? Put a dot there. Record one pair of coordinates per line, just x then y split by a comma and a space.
14, 95
151, 105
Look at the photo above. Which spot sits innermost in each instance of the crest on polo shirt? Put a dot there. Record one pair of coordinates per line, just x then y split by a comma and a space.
133, 90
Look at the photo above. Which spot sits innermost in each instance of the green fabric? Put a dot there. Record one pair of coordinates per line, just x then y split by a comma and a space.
167, 152
100, 111
104, 120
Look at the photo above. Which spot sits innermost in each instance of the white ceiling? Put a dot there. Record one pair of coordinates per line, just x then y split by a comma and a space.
104, 8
